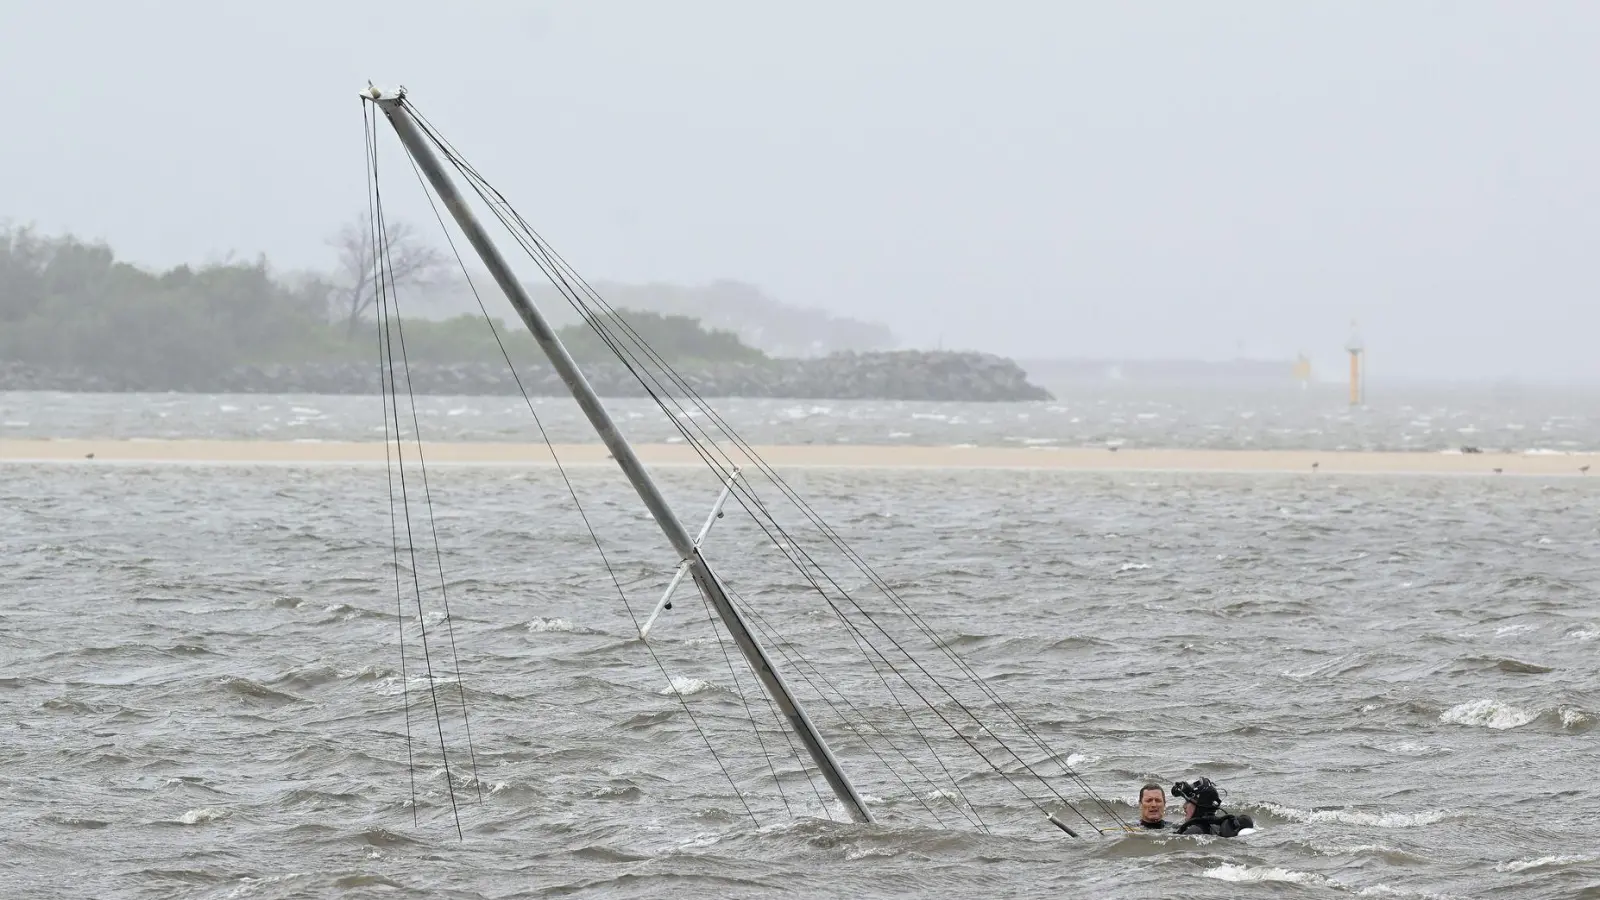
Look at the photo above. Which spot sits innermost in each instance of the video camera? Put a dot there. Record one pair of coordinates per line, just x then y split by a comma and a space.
1201, 792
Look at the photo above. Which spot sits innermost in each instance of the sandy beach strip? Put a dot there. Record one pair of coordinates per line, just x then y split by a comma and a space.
803, 456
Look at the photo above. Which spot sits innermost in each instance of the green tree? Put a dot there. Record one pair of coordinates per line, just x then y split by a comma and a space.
67, 303
678, 339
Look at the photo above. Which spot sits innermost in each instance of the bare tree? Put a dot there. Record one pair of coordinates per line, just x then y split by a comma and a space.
408, 263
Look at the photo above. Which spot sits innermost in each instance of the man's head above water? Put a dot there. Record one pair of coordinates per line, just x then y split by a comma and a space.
1152, 803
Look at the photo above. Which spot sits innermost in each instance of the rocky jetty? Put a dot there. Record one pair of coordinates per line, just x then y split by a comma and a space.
888, 375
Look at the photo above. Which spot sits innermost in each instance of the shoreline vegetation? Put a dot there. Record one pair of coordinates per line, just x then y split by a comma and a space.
1309, 463
895, 375
75, 318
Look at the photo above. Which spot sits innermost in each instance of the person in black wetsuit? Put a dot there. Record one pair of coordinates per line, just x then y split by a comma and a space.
1203, 810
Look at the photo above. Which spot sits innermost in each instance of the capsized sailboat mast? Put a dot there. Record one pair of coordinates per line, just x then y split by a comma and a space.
417, 145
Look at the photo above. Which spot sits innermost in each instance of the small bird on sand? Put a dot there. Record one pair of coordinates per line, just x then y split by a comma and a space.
91, 456
1497, 470
1584, 469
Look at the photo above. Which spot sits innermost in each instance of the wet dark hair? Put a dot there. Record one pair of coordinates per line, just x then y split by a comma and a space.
1152, 786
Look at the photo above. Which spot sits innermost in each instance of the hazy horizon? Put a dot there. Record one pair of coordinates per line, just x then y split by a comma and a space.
1038, 180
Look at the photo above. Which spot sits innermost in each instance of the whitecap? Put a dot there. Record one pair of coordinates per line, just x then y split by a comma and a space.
1384, 890
685, 686
1495, 714
1412, 748
1522, 865
538, 625
1357, 817
1238, 873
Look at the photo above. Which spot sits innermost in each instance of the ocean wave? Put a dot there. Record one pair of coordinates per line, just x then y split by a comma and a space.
1545, 862
1163, 674
201, 816
1360, 818
1488, 713
685, 686
1384, 890
1253, 874
557, 626
255, 690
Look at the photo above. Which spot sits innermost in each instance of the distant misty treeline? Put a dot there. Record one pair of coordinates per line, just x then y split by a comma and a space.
70, 303
67, 303
775, 328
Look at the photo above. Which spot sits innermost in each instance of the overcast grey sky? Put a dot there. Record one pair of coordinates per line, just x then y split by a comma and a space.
1037, 179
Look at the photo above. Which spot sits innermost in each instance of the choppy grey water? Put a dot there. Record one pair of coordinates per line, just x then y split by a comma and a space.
1506, 418
201, 685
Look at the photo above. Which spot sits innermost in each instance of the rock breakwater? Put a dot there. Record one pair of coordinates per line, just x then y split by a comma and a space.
889, 375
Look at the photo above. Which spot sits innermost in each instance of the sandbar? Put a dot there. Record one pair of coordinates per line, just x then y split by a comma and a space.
802, 456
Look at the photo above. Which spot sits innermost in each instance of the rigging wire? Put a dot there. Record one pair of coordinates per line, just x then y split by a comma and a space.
966, 803
695, 443
770, 634
384, 389
802, 664
444, 595
614, 343
571, 490
557, 270
624, 354
738, 688
846, 700
961, 664
807, 770
384, 298
599, 325
851, 626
